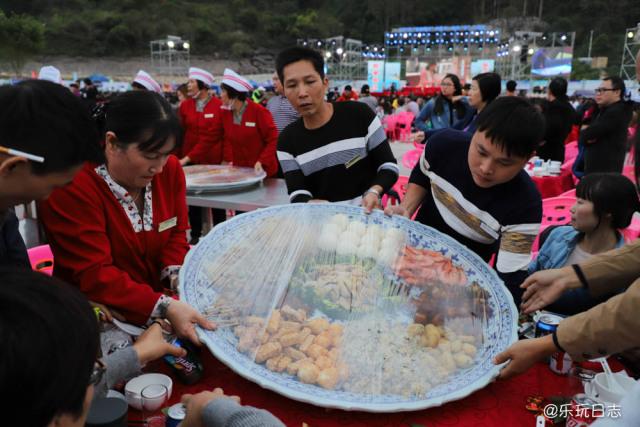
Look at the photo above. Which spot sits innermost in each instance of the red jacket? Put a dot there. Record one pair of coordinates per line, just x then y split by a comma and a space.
255, 139
96, 248
199, 127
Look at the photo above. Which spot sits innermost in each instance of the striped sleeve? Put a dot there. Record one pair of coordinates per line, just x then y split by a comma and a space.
293, 176
387, 170
515, 247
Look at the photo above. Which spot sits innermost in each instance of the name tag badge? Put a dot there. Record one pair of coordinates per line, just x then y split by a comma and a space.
353, 161
170, 223
209, 116
250, 124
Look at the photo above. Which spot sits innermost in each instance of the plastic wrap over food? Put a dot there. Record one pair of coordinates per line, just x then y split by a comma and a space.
221, 177
327, 305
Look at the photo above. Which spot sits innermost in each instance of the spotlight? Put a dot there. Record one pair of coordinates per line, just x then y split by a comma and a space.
530, 51
630, 35
517, 48
563, 37
327, 54
171, 44
186, 45
375, 48
339, 51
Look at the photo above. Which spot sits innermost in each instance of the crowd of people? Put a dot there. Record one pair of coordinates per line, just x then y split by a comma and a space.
111, 196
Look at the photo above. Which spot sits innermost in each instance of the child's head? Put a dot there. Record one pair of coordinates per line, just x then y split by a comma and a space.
604, 200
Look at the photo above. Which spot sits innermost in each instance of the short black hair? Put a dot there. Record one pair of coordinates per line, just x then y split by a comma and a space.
618, 84
514, 124
558, 87
489, 85
50, 341
295, 54
46, 119
234, 93
138, 86
132, 115
610, 193
201, 85
364, 90
348, 87
511, 85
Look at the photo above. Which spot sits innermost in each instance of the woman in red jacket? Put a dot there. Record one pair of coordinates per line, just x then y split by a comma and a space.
247, 129
118, 231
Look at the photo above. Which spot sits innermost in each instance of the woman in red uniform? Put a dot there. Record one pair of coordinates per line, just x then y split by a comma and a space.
118, 231
247, 129
200, 116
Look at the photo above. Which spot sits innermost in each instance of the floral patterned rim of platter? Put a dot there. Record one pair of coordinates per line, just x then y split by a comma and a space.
500, 332
220, 177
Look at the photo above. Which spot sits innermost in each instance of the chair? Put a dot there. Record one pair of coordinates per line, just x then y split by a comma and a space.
570, 193
411, 158
632, 232
555, 211
389, 122
41, 259
629, 172
397, 192
403, 125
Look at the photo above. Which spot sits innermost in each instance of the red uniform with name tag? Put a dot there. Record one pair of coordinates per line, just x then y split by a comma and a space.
96, 248
201, 128
254, 139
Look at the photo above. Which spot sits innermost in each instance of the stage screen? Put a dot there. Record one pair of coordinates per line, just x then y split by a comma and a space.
551, 62
482, 66
428, 72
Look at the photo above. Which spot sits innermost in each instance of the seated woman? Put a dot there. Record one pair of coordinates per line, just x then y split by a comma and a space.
605, 204
249, 133
445, 110
118, 231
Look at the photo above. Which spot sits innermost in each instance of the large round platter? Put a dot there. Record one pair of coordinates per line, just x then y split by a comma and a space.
213, 178
499, 330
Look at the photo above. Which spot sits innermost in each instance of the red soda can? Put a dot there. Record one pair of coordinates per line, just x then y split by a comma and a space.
560, 362
584, 411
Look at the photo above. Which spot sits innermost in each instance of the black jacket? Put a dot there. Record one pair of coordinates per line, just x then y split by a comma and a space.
559, 117
605, 139
13, 252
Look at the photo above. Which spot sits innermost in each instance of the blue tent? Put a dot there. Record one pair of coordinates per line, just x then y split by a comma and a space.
99, 78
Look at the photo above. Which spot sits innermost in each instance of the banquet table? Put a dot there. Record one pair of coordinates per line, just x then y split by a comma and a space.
501, 403
555, 185
271, 192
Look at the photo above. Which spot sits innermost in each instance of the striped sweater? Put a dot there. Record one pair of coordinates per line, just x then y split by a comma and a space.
340, 160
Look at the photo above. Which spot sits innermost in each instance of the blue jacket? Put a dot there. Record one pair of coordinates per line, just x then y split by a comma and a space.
429, 122
557, 248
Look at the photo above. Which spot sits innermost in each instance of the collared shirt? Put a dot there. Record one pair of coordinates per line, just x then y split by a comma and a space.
139, 223
201, 103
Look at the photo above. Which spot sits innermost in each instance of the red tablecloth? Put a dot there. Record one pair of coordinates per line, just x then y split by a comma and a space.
502, 403
553, 186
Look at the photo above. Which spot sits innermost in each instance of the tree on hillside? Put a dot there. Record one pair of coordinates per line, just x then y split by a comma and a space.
21, 36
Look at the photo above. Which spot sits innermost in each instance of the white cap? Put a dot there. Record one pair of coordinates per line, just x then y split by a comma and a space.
202, 75
236, 81
143, 78
50, 73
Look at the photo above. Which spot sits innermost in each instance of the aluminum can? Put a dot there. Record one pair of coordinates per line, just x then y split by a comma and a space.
583, 411
175, 415
547, 324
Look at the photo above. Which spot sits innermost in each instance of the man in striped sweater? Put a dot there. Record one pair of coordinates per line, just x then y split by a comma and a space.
334, 152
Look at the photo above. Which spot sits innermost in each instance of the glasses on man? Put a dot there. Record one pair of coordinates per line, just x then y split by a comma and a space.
97, 373
604, 89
